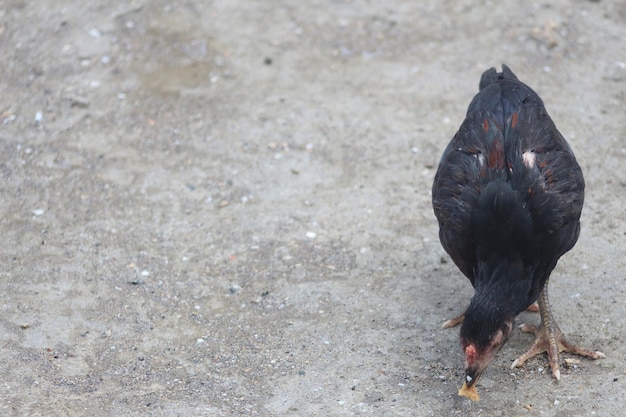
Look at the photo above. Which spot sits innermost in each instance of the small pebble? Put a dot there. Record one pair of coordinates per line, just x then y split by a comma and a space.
95, 33
145, 273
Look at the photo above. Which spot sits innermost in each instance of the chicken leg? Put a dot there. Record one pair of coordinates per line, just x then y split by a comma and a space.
550, 339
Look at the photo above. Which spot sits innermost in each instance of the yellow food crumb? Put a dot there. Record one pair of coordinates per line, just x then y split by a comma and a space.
470, 392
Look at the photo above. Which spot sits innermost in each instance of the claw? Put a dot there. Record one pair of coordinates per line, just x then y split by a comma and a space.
454, 321
550, 339
529, 328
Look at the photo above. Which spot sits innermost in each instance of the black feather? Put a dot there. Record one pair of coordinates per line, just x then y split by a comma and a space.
508, 195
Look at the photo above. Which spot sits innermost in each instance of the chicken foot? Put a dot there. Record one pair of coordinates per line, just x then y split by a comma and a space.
550, 339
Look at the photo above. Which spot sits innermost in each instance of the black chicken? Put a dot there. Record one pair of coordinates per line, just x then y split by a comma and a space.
508, 195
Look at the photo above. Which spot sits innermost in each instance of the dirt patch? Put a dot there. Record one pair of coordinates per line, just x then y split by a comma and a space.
223, 208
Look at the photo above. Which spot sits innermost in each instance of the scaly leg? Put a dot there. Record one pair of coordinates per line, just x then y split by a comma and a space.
550, 339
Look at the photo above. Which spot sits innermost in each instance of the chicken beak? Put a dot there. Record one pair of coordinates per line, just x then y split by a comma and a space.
471, 376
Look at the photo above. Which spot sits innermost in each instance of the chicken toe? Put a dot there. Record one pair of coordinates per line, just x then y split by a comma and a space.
454, 321
550, 339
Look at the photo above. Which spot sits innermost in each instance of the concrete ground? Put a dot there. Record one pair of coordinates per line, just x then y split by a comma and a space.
222, 208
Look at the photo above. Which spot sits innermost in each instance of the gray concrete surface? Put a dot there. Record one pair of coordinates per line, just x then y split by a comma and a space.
222, 208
